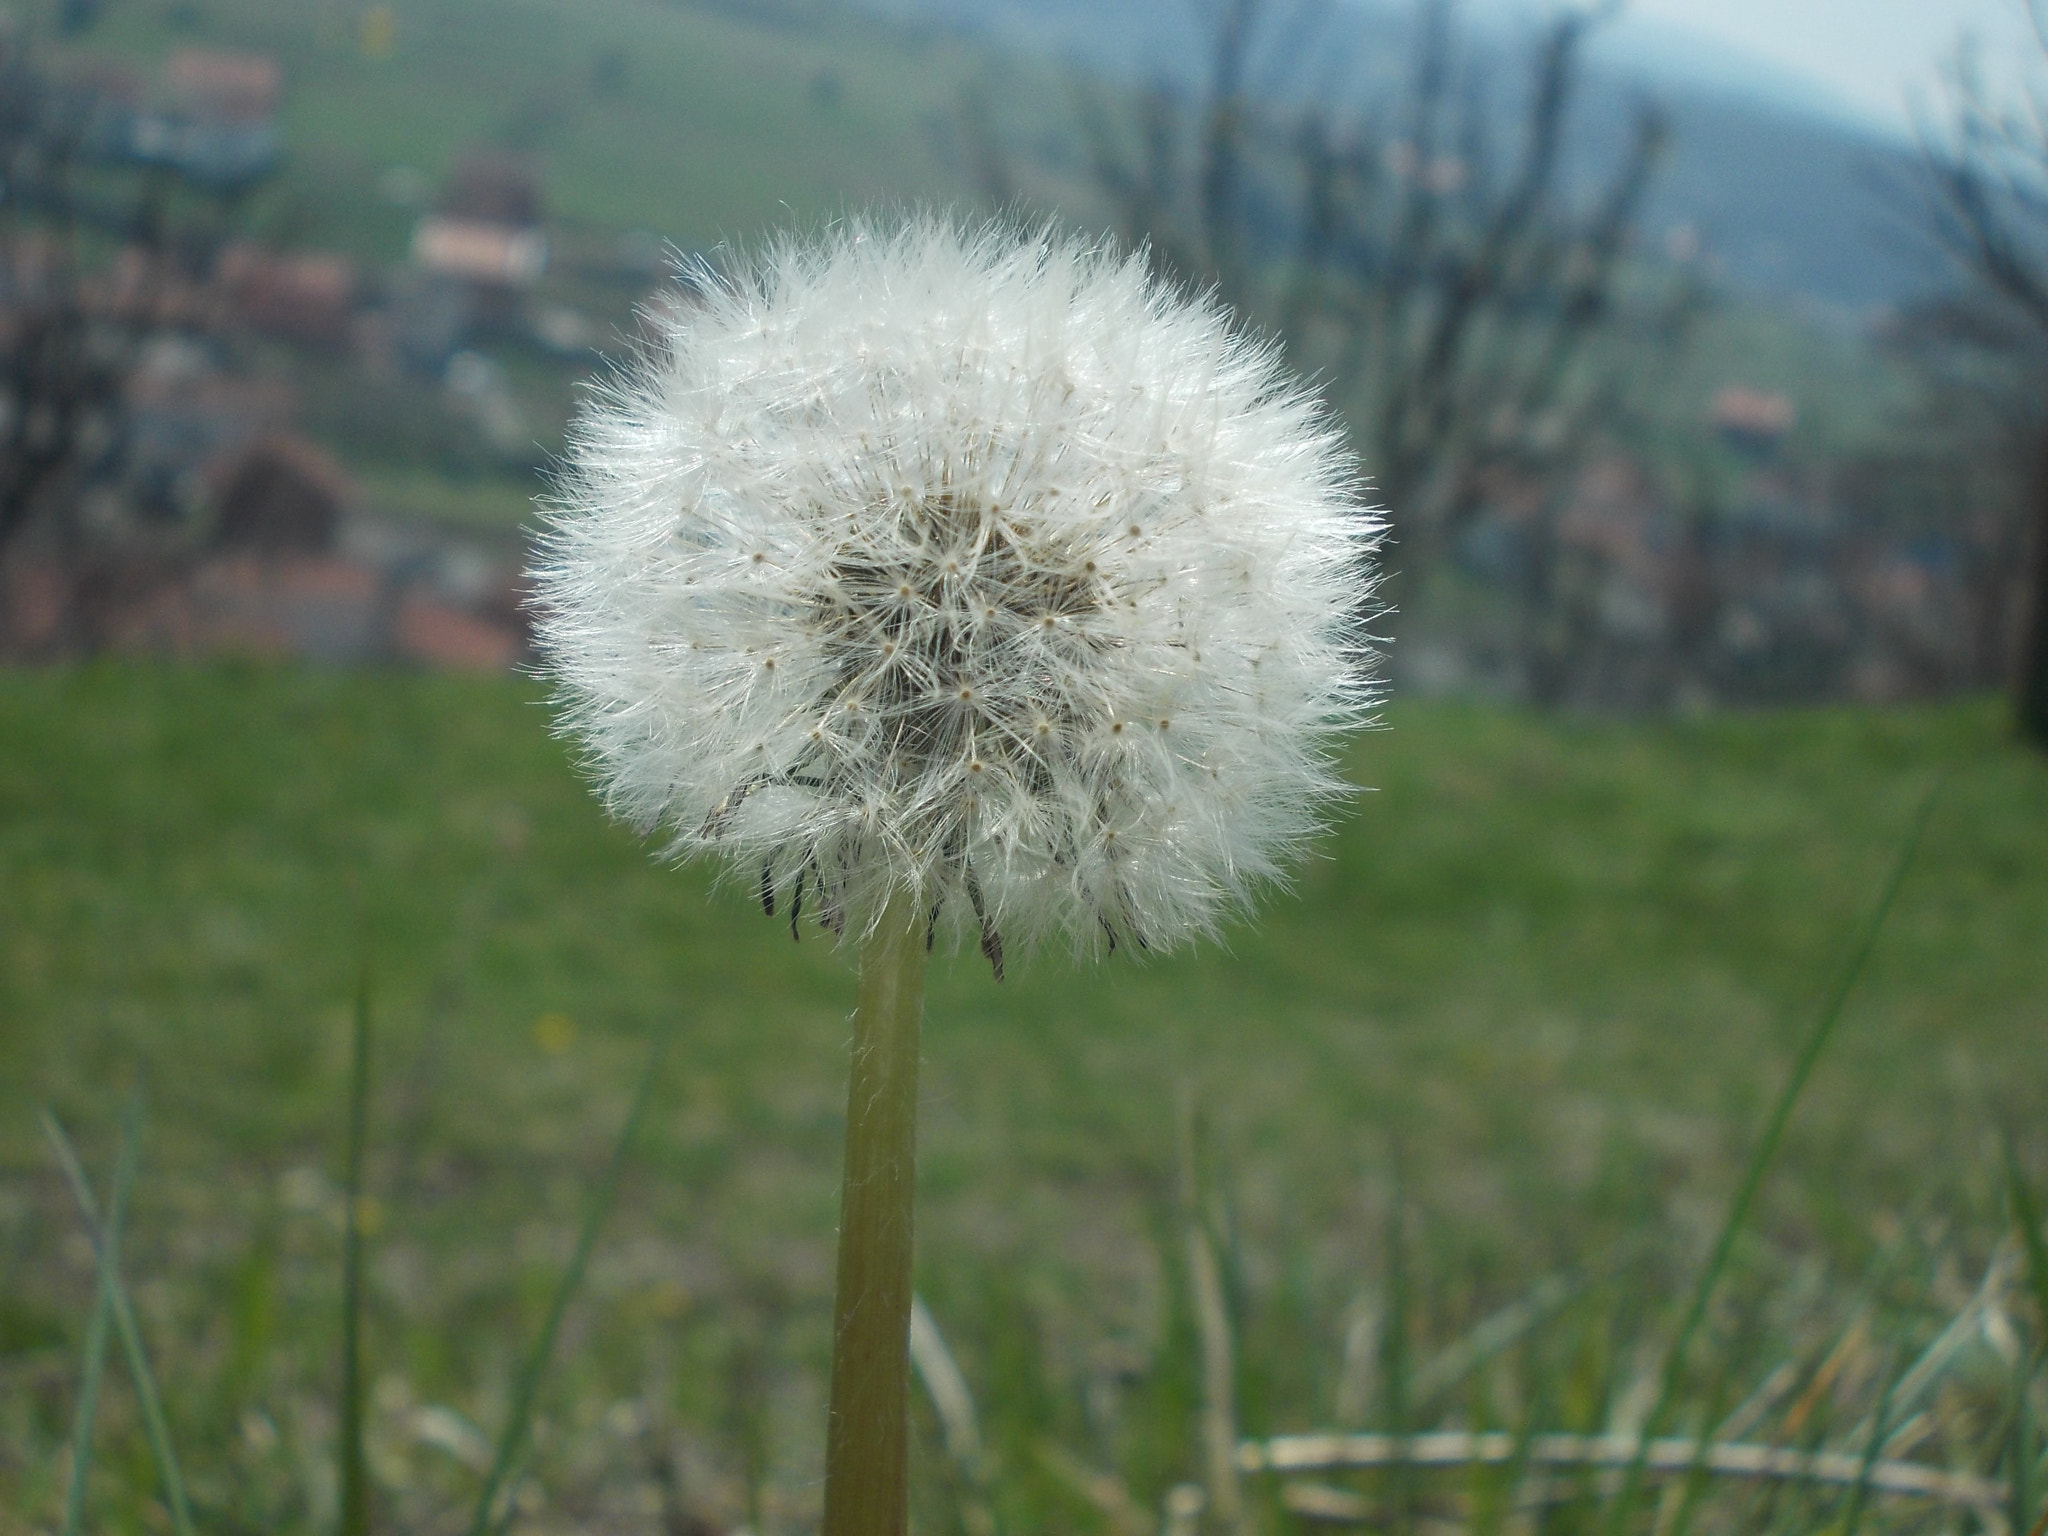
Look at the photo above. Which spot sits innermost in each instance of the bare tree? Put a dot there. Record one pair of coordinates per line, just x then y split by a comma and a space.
60, 373
1957, 470
1423, 251
70, 339
1988, 178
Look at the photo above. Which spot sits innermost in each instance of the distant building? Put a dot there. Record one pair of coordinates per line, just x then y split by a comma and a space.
210, 86
278, 494
486, 226
432, 632
304, 296
183, 413
472, 251
1751, 421
211, 117
322, 607
474, 256
493, 186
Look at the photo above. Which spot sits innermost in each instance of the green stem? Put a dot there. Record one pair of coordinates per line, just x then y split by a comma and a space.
867, 1439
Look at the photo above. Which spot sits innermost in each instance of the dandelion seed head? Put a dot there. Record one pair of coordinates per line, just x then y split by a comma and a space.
860, 574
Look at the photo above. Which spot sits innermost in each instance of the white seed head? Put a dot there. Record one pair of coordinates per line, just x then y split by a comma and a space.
968, 562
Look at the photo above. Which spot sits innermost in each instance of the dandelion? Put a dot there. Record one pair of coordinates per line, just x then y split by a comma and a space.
955, 580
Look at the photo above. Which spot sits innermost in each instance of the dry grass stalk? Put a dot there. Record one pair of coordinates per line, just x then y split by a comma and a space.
1219, 1416
1212, 1323
1454, 1448
945, 1384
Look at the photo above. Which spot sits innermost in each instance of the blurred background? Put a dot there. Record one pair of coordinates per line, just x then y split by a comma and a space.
1691, 363
1700, 355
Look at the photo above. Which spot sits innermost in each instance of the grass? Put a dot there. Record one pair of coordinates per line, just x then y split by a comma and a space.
1553, 970
488, 505
112, 1296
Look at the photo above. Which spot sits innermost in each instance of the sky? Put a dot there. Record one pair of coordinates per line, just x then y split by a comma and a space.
1868, 59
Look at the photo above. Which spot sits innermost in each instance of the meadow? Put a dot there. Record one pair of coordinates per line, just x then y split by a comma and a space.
1460, 1115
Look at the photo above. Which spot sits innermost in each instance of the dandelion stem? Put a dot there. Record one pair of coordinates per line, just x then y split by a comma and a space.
867, 1442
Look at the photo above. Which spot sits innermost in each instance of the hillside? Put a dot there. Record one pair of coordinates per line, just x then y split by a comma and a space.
702, 121
1791, 204
656, 122
691, 122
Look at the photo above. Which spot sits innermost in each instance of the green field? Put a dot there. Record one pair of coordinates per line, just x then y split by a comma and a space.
1536, 995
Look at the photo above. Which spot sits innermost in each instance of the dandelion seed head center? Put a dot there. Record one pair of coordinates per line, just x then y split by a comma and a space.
925, 609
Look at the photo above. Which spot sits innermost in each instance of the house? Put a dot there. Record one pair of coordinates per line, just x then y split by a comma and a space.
473, 251
486, 228
211, 86
212, 118
307, 297
183, 413
474, 257
277, 493
1751, 421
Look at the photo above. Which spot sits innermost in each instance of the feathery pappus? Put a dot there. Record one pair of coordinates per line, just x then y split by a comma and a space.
967, 561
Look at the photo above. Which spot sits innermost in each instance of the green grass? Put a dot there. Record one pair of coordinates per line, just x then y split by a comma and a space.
488, 504
1557, 967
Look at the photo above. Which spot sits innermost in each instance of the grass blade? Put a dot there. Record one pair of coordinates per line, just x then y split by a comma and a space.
2026, 1215
153, 1422
1760, 1160
1880, 1426
1212, 1322
519, 1420
2019, 1443
1396, 1363
94, 1365
353, 1472
1495, 1515
946, 1386
1492, 1335
1694, 1487
1587, 1457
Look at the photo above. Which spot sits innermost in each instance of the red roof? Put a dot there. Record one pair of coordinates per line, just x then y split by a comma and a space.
224, 87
